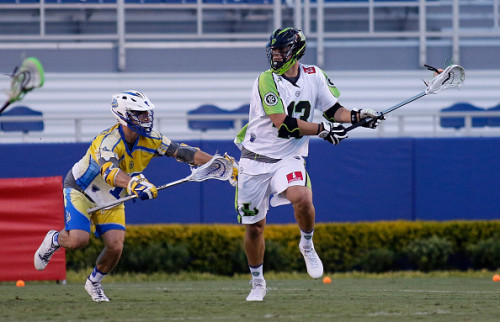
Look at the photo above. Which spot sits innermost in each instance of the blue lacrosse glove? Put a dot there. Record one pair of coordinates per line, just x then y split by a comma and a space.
142, 188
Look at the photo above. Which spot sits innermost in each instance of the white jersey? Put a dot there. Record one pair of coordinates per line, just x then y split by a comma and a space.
273, 94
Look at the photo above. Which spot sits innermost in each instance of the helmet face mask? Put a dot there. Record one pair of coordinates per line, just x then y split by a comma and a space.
290, 44
141, 121
134, 110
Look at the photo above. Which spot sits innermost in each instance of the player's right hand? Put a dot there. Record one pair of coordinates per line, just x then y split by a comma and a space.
142, 188
332, 132
359, 114
233, 179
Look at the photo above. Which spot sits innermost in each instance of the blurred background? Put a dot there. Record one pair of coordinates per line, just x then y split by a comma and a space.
434, 159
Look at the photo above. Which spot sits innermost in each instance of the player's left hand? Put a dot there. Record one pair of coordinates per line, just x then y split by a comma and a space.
233, 179
332, 132
358, 115
142, 188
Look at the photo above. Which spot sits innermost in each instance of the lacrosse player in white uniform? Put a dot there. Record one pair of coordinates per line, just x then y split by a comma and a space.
111, 169
275, 141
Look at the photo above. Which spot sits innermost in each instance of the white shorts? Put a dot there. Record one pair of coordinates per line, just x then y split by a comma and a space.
257, 181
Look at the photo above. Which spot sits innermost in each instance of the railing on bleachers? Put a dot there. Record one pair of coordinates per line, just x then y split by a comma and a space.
133, 24
76, 106
409, 124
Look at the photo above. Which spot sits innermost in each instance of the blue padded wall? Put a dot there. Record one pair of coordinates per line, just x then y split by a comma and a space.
457, 178
358, 180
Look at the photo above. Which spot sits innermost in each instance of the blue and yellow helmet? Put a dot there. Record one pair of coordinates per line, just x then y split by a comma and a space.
134, 110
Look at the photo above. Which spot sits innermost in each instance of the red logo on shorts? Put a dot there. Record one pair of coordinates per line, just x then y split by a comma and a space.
294, 176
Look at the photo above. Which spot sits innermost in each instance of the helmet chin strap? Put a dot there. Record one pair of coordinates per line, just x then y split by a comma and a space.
287, 62
285, 67
135, 124
285, 58
139, 129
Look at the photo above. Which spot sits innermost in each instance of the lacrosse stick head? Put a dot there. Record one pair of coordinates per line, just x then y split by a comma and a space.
218, 168
452, 77
29, 76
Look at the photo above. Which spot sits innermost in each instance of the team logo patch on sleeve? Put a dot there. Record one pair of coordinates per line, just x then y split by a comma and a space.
309, 70
271, 99
294, 176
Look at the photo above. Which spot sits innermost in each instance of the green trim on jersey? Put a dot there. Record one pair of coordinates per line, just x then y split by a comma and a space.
269, 94
331, 86
241, 135
308, 181
238, 217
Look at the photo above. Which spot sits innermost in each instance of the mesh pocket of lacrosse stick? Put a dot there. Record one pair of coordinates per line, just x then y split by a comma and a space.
452, 77
218, 168
29, 76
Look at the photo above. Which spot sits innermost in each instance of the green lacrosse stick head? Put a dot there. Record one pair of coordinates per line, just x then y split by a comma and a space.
29, 76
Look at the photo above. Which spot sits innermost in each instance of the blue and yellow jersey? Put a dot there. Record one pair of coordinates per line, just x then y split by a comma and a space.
110, 146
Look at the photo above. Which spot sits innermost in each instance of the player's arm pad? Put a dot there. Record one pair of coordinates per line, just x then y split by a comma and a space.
109, 172
289, 128
329, 114
182, 152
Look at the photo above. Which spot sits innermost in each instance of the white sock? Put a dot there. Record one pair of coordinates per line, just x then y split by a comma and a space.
257, 272
306, 239
96, 276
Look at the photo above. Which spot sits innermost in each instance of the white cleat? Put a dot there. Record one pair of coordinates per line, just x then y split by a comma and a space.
45, 251
313, 262
258, 290
95, 291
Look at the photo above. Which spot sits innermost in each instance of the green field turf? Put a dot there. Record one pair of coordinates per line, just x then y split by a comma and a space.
294, 297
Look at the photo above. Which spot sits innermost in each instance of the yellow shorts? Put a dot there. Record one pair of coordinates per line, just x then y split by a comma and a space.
76, 216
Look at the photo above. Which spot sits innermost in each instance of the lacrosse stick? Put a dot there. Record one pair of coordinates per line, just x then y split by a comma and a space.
23, 80
452, 77
218, 168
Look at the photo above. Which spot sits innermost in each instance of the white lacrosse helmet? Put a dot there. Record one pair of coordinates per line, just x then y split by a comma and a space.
125, 106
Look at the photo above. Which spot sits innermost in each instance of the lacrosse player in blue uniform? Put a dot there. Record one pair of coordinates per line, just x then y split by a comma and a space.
275, 141
109, 170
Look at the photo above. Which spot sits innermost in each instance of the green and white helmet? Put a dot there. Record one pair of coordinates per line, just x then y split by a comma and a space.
291, 39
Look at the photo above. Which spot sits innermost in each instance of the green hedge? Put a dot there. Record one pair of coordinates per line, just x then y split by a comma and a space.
374, 247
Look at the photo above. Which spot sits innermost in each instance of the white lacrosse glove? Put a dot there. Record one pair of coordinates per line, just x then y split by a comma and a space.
359, 114
142, 188
233, 179
332, 132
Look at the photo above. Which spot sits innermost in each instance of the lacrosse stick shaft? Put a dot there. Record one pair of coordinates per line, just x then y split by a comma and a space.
199, 174
129, 197
5, 106
390, 109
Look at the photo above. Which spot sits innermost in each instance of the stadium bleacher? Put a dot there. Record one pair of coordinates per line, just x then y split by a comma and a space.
75, 105
494, 121
81, 37
205, 125
459, 122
